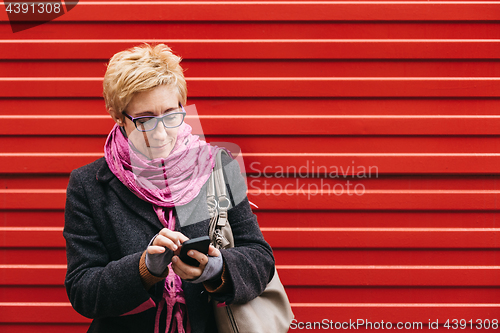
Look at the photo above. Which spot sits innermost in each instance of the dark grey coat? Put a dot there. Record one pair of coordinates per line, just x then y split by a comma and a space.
107, 228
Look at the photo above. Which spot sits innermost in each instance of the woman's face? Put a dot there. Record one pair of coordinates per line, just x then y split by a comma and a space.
159, 142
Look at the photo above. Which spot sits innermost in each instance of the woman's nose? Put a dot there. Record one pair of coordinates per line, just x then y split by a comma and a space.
160, 132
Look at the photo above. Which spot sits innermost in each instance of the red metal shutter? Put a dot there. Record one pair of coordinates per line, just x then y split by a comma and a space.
405, 94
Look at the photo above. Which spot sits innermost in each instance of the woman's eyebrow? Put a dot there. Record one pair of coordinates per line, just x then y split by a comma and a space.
172, 108
144, 113
151, 113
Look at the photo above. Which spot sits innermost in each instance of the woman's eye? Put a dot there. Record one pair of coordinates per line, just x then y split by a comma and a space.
143, 120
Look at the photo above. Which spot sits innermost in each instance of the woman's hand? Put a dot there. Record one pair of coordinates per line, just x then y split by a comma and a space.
187, 272
167, 239
161, 249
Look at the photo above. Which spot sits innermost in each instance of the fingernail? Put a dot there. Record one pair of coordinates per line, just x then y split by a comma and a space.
175, 247
174, 259
191, 253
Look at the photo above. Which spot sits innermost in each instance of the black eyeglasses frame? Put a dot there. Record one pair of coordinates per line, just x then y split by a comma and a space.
158, 118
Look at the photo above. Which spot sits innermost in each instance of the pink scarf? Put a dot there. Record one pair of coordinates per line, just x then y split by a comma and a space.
165, 183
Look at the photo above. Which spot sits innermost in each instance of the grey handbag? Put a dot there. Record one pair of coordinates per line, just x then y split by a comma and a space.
271, 311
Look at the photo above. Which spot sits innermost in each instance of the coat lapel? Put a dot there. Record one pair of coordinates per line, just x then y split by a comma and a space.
140, 207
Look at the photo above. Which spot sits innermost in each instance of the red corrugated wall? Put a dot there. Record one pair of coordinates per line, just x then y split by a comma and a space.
406, 92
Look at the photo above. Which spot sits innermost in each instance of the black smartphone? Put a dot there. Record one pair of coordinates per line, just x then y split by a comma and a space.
199, 244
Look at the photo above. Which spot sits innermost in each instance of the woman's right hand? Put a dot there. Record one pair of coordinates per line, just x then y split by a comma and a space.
167, 239
160, 251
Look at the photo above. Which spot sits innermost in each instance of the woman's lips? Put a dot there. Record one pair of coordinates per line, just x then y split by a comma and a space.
161, 147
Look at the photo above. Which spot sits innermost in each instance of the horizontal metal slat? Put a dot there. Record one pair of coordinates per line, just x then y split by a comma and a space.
298, 125
273, 163
32, 199
309, 237
456, 238
280, 149
272, 87
46, 237
346, 87
45, 162
354, 275
271, 106
340, 199
47, 312
104, 49
378, 200
307, 275
36, 275
27, 255
371, 219
305, 294
246, 30
56, 125
350, 125
375, 182
421, 238
86, 145
33, 294
44, 328
269, 68
279, 11
34, 218
368, 256
319, 178
305, 256
42, 312
467, 295
369, 164
19, 181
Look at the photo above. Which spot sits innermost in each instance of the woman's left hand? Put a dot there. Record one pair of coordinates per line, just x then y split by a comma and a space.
188, 272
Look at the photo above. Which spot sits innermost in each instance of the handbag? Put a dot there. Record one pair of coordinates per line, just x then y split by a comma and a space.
268, 313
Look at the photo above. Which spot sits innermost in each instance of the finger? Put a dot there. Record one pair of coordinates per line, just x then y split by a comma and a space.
155, 249
213, 252
161, 240
170, 235
178, 267
182, 237
200, 257
173, 234
184, 270
177, 237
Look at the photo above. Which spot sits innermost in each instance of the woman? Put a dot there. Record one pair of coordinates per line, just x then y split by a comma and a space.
127, 214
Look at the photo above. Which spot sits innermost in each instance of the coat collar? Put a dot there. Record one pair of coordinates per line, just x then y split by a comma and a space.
142, 208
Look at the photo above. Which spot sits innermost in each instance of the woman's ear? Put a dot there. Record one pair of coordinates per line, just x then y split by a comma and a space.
117, 120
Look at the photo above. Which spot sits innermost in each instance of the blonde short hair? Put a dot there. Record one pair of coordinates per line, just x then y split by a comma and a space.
139, 69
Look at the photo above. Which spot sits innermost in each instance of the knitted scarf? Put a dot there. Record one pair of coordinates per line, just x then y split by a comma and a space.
164, 182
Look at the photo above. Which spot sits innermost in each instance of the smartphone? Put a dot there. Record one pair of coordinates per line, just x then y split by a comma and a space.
200, 244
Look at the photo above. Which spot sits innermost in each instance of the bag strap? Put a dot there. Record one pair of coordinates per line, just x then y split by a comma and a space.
223, 202
218, 205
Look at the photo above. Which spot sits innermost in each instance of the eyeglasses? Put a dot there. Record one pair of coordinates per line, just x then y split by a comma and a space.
170, 120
